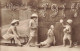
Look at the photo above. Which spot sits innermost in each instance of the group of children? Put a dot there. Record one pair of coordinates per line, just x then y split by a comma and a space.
12, 33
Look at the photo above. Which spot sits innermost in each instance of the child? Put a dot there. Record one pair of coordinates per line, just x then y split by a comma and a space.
50, 38
12, 32
67, 32
33, 29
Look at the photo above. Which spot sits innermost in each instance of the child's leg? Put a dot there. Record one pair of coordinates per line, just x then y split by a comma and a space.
19, 43
70, 40
64, 38
47, 45
36, 40
12, 41
30, 39
54, 41
15, 38
42, 44
39, 45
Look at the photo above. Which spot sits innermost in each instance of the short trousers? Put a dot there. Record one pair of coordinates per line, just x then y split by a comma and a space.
68, 36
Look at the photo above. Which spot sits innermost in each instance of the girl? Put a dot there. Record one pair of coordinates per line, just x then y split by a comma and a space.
50, 38
12, 32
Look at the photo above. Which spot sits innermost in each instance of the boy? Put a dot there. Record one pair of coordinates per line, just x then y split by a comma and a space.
33, 30
67, 32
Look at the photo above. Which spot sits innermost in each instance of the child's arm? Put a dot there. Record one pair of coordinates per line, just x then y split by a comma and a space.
61, 21
48, 32
69, 30
54, 42
63, 25
30, 25
14, 31
17, 32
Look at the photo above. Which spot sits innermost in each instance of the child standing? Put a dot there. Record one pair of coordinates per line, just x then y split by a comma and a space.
67, 32
33, 30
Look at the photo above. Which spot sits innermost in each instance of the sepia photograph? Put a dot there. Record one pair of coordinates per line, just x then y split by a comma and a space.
39, 25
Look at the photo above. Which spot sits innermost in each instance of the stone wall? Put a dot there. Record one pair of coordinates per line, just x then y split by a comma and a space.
8, 15
45, 22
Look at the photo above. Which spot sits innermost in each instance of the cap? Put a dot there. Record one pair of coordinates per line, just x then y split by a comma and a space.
69, 21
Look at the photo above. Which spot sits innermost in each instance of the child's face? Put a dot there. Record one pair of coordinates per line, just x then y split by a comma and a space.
34, 18
52, 27
16, 24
